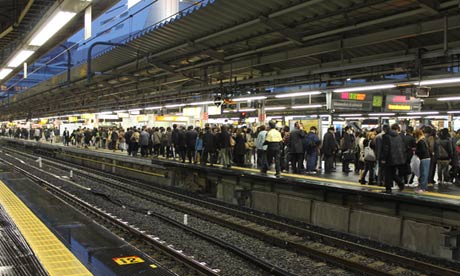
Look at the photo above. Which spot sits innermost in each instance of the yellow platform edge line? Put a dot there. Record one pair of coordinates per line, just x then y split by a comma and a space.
28, 224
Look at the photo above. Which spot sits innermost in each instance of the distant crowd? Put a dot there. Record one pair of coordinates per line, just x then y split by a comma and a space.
381, 156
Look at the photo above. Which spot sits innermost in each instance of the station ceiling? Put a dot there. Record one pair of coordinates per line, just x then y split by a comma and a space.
235, 46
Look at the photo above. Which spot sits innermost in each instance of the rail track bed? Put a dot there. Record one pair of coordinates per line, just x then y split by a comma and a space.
239, 242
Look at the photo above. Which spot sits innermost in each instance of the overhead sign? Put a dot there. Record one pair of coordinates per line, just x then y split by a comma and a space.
353, 96
398, 103
352, 101
355, 105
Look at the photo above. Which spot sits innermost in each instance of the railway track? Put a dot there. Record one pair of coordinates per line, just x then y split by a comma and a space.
355, 257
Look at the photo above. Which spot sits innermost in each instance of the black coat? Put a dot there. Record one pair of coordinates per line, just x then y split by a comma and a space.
209, 142
190, 138
223, 140
329, 144
296, 139
240, 148
393, 149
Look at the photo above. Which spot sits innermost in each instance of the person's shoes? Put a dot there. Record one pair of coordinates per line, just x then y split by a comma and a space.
419, 191
386, 191
362, 182
277, 175
347, 171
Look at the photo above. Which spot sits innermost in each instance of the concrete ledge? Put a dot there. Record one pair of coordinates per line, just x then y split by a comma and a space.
294, 207
424, 238
386, 229
330, 216
265, 202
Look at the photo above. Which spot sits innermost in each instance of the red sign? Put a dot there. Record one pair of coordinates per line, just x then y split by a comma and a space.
261, 117
353, 96
205, 116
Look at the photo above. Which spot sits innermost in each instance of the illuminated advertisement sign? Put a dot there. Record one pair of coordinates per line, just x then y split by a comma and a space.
353, 96
398, 103
352, 101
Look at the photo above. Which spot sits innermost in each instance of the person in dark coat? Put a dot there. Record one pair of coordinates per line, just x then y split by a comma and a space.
296, 148
393, 158
409, 146
190, 138
223, 143
347, 149
444, 154
128, 135
182, 143
239, 150
329, 149
209, 147
175, 141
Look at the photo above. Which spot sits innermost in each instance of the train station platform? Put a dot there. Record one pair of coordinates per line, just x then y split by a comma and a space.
52, 238
335, 202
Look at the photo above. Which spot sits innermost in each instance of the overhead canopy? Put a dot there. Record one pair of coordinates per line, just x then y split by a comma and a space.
238, 45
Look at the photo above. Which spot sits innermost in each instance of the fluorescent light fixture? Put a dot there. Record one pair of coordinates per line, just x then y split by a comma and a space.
132, 3
247, 110
20, 57
121, 111
449, 99
5, 72
364, 88
202, 103
274, 117
306, 106
250, 98
268, 108
350, 115
382, 114
104, 112
152, 107
438, 81
134, 109
424, 113
355, 118
298, 94
436, 117
174, 105
53, 26
453, 112
229, 111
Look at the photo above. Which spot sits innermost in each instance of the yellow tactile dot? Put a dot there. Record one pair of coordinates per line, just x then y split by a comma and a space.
52, 253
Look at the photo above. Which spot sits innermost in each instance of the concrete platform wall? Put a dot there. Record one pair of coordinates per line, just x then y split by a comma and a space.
426, 229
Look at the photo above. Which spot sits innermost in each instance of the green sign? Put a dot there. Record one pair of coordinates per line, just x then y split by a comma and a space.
377, 101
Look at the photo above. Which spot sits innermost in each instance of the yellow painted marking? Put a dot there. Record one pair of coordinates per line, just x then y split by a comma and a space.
52, 253
153, 266
128, 260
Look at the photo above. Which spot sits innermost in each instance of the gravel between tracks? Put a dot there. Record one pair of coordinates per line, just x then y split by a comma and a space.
216, 257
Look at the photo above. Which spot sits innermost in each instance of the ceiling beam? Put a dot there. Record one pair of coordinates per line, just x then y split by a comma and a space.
288, 33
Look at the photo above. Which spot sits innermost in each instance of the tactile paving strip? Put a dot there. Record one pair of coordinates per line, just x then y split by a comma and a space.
52, 253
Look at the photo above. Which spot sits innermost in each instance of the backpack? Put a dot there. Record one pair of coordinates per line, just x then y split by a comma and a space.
369, 154
443, 154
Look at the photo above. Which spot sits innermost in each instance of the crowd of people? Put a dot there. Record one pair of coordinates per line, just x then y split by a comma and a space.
381, 156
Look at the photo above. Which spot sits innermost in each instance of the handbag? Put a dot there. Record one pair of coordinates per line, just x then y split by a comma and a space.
369, 154
415, 165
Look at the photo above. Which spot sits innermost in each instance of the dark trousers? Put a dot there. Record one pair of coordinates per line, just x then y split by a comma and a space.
296, 161
433, 163
392, 173
144, 150
208, 157
328, 163
182, 152
191, 154
273, 152
369, 166
312, 159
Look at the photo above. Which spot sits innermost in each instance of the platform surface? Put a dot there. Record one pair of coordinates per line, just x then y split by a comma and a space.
66, 241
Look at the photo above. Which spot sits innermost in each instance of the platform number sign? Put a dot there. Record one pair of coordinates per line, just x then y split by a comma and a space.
128, 260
